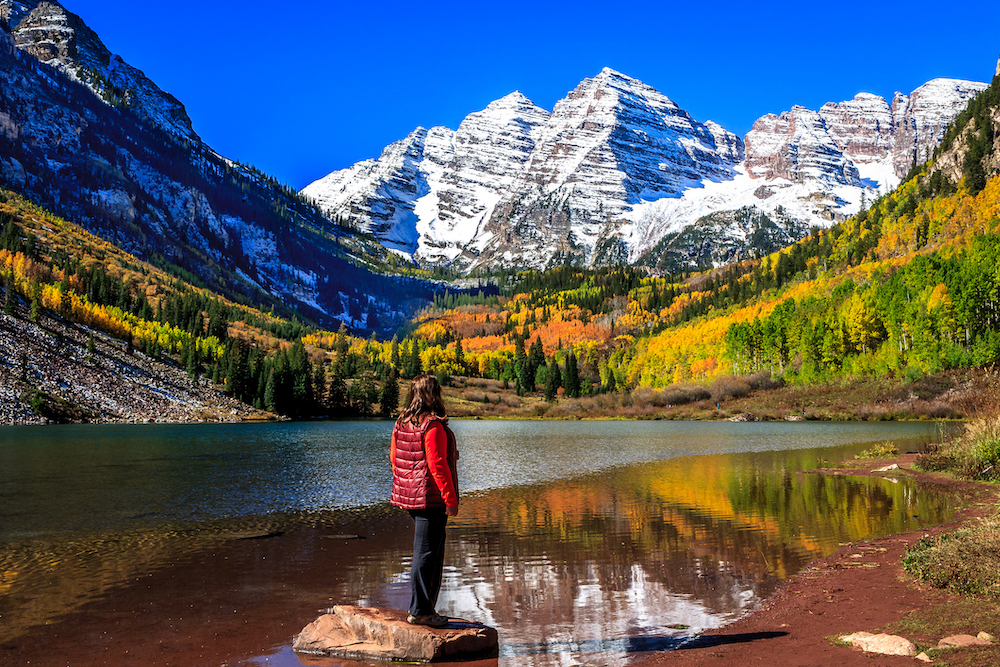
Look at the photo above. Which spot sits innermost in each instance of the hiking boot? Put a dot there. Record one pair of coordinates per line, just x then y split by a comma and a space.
434, 620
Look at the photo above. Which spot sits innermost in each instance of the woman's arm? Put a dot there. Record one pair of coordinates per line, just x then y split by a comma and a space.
436, 446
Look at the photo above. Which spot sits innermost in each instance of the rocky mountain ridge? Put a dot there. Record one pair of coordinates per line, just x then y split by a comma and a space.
92, 139
618, 173
61, 39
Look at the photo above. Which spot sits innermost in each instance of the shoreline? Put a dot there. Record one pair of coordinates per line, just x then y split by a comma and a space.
861, 587
250, 572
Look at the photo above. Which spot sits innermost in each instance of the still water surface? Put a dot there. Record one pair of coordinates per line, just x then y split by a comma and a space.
579, 541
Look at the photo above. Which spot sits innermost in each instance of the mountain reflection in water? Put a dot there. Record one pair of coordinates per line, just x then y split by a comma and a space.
570, 566
644, 557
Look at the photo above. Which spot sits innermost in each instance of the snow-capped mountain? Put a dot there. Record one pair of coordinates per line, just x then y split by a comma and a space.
802, 168
619, 173
61, 39
515, 181
94, 140
430, 194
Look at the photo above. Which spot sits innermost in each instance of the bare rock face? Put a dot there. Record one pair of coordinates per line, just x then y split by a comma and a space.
922, 117
60, 38
861, 128
801, 145
384, 634
798, 147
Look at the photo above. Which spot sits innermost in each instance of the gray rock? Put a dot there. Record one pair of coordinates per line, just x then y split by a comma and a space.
384, 634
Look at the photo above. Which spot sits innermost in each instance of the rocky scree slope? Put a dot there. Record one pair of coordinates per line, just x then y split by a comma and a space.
618, 173
46, 374
91, 138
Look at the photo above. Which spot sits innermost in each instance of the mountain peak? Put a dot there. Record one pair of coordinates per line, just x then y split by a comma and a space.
514, 100
61, 39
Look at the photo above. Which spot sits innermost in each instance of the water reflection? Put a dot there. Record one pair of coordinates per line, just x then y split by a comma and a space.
567, 564
645, 556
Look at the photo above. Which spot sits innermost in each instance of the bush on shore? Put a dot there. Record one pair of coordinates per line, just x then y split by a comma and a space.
974, 455
966, 561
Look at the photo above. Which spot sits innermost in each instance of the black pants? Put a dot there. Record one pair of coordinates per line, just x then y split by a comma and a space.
428, 559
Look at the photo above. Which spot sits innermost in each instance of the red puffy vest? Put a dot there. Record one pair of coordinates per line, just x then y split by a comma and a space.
413, 486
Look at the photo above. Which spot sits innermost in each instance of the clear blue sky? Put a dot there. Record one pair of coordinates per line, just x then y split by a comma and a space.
303, 87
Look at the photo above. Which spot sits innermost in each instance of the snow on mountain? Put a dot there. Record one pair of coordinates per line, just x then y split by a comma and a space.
610, 144
516, 184
60, 38
806, 168
428, 195
618, 167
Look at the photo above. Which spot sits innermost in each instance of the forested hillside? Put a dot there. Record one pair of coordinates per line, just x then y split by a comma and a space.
908, 287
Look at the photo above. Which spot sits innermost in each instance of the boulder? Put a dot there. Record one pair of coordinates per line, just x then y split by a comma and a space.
383, 634
882, 644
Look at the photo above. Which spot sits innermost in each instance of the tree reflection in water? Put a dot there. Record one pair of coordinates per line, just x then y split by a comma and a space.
649, 555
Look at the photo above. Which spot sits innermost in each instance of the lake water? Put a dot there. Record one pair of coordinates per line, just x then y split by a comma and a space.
215, 544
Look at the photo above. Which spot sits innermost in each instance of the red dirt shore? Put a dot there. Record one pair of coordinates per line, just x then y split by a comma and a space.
860, 588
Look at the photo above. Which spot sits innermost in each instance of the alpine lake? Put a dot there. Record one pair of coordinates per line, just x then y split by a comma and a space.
580, 541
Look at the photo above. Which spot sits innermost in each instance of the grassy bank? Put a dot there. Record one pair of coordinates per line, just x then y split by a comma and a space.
959, 394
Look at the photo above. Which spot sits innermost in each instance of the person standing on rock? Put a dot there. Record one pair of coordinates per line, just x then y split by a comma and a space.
424, 460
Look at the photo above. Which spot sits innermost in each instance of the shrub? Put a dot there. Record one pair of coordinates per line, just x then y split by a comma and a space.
932, 409
975, 454
648, 395
883, 450
511, 401
679, 395
473, 396
763, 380
729, 386
966, 561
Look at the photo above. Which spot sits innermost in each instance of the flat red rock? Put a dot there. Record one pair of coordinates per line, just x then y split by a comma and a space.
963, 640
384, 634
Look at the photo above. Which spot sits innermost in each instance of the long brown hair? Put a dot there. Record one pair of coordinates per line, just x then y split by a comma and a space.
423, 400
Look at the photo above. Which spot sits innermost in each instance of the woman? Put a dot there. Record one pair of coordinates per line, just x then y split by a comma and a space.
425, 483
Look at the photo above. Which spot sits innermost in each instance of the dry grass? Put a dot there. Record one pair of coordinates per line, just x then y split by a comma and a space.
969, 616
954, 394
975, 454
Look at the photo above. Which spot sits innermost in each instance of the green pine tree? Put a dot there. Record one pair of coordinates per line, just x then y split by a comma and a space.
389, 398
571, 376
552, 381
270, 393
